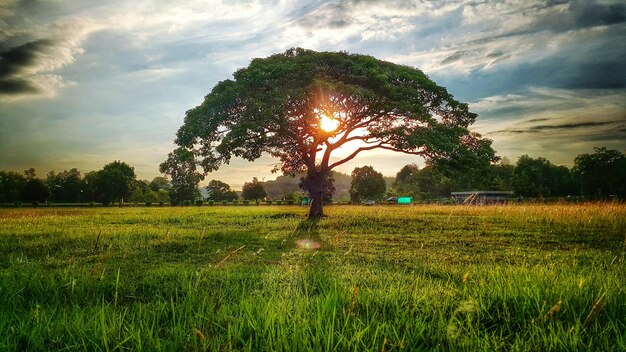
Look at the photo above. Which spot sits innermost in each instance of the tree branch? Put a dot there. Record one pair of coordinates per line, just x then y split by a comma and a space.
355, 153
380, 145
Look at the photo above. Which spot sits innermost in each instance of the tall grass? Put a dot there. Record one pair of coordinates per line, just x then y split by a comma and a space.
510, 278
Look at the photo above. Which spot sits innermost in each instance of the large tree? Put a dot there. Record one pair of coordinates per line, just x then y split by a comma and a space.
301, 106
328, 187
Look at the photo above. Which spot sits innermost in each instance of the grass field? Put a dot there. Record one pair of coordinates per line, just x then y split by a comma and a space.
527, 277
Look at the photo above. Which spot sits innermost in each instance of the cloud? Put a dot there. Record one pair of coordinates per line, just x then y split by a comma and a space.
536, 104
563, 126
355, 22
21, 61
504, 34
584, 14
27, 69
554, 123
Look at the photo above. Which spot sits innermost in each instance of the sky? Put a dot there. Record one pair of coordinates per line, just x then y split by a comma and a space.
84, 83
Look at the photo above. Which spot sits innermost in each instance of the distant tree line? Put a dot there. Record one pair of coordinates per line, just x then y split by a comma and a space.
115, 182
599, 175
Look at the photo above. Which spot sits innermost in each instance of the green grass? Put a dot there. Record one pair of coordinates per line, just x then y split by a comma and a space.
509, 278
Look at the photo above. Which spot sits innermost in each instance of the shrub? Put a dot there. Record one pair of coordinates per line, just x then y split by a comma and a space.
160, 204
246, 202
186, 203
279, 202
211, 202
268, 202
148, 204
199, 202
235, 202
290, 202
92, 204
224, 202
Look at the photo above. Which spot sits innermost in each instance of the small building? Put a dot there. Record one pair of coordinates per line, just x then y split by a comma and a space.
482, 197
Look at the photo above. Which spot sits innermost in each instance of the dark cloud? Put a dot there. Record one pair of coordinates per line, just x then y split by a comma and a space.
570, 69
600, 75
588, 14
610, 136
583, 14
19, 60
556, 2
543, 128
568, 126
541, 119
454, 57
17, 86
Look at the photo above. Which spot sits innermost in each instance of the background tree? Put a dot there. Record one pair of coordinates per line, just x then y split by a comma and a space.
115, 182
500, 178
141, 191
253, 190
531, 177
89, 186
181, 167
160, 187
367, 184
406, 182
30, 174
328, 187
540, 178
219, 191
602, 173
426, 183
160, 183
34, 190
11, 183
301, 105
65, 187
433, 183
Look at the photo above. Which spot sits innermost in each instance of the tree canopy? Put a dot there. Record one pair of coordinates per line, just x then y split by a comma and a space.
300, 106
35, 191
115, 182
367, 184
219, 191
253, 190
64, 186
181, 167
602, 173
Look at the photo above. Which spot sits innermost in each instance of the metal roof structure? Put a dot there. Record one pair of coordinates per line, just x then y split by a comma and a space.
481, 197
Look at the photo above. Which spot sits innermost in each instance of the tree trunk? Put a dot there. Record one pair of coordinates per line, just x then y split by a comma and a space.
316, 193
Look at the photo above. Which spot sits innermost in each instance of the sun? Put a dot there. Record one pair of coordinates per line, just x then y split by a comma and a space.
327, 124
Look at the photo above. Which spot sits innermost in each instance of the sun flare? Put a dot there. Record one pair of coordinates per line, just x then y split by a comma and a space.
328, 124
